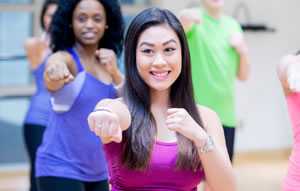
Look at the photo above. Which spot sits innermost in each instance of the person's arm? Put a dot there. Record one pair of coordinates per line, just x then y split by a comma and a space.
60, 69
237, 41
282, 71
35, 51
218, 170
214, 158
189, 17
108, 58
109, 119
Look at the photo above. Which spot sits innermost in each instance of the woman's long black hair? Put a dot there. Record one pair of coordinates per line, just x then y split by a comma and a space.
140, 136
45, 6
62, 35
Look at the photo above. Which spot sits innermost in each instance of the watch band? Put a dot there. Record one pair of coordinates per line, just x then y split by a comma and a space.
208, 146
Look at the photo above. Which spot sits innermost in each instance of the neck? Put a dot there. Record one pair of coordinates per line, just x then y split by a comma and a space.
160, 100
86, 52
214, 13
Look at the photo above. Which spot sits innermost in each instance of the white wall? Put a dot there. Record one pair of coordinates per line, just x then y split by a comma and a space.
260, 102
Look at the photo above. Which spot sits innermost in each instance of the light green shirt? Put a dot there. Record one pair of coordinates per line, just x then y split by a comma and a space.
214, 64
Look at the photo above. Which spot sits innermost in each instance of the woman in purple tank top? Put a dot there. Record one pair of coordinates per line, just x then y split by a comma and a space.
289, 75
37, 50
86, 36
156, 137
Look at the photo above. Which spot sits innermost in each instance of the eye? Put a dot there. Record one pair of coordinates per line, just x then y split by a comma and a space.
82, 18
147, 51
169, 50
98, 19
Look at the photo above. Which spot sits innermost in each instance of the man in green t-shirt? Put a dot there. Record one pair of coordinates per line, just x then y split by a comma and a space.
218, 55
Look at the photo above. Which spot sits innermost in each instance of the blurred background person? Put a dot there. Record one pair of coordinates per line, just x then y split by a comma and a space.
289, 76
37, 51
219, 55
86, 37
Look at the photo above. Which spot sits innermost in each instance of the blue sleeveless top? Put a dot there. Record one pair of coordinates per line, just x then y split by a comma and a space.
40, 106
69, 148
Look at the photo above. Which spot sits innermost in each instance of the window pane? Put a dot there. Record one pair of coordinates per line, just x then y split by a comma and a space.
15, 1
134, 2
15, 28
12, 113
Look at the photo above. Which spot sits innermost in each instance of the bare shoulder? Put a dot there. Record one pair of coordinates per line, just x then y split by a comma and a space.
210, 118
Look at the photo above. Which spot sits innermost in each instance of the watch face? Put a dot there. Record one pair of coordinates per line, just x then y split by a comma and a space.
208, 146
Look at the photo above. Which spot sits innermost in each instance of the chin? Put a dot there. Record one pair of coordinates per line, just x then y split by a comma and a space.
160, 88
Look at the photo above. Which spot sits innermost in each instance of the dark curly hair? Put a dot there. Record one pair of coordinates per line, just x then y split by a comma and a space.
45, 6
62, 35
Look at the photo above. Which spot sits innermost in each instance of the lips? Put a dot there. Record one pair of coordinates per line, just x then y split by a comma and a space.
89, 35
160, 75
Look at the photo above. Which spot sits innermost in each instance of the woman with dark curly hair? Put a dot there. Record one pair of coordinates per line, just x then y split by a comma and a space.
86, 36
37, 51
156, 138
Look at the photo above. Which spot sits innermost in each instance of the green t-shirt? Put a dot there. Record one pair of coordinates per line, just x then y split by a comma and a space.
214, 64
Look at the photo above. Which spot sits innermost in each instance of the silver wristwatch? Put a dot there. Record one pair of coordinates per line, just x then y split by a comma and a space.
208, 146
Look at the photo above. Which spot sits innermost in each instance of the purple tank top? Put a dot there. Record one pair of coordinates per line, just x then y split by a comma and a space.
40, 106
40, 102
161, 175
69, 148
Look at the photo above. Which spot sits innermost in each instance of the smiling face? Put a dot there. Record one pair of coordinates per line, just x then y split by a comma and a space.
89, 22
158, 57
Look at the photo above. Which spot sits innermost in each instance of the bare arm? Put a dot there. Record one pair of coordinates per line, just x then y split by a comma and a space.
282, 71
217, 167
108, 58
244, 67
60, 69
215, 162
189, 17
110, 118
237, 41
35, 51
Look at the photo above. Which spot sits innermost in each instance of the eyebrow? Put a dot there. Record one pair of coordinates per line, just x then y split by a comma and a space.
152, 45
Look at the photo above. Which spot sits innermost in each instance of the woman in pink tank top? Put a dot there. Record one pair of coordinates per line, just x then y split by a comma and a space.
289, 75
156, 138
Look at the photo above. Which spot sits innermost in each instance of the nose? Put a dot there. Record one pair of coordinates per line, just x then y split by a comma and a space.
89, 23
159, 61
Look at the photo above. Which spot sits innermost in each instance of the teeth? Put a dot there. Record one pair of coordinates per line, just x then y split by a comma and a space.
89, 34
161, 74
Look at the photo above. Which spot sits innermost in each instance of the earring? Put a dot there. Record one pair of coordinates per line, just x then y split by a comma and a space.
106, 26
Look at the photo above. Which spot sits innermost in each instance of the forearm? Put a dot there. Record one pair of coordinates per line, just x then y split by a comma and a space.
244, 67
218, 170
117, 78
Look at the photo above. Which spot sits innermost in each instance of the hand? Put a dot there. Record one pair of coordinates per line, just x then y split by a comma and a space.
179, 120
238, 43
57, 69
108, 58
106, 125
293, 72
189, 17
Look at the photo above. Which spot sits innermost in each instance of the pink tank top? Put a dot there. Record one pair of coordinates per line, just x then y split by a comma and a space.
292, 180
161, 175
